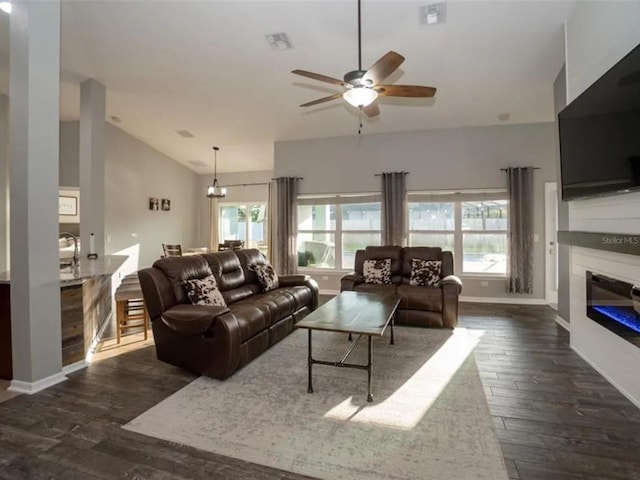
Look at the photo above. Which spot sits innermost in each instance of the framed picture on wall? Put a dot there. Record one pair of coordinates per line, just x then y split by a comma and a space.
166, 204
67, 206
154, 203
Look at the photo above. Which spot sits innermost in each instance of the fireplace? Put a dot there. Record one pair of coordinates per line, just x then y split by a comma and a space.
615, 305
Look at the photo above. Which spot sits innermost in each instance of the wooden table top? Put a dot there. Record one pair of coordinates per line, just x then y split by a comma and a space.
353, 312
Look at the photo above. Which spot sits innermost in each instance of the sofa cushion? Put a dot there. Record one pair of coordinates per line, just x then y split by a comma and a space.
425, 273
227, 269
302, 295
179, 269
375, 288
420, 298
278, 303
267, 276
251, 318
377, 271
204, 291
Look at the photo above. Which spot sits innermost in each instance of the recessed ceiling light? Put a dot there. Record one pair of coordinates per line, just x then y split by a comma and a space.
279, 41
5, 7
433, 14
185, 133
503, 117
115, 119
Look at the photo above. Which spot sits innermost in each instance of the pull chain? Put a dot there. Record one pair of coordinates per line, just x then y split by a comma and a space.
360, 120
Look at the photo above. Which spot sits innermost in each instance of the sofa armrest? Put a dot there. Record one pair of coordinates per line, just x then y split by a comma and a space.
452, 280
451, 288
190, 320
292, 280
301, 281
348, 282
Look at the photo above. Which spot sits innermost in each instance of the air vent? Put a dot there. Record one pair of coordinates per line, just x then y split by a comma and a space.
279, 41
433, 14
198, 163
185, 133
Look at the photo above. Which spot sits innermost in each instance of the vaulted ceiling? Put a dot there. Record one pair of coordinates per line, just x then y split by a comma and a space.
206, 67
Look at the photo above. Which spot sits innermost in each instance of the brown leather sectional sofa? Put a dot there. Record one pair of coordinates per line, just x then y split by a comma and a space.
216, 341
420, 306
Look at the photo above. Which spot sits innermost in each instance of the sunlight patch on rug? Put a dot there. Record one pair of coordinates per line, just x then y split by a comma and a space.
429, 418
408, 404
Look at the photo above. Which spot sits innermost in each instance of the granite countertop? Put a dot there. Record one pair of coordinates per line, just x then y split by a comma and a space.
105, 265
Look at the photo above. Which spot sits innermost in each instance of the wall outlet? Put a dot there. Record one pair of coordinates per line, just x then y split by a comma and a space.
325, 277
536, 237
108, 238
484, 283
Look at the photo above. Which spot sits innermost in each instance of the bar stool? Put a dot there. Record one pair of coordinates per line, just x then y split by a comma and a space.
131, 311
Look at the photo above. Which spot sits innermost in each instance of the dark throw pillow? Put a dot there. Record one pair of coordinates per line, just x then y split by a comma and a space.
377, 271
267, 276
425, 273
204, 291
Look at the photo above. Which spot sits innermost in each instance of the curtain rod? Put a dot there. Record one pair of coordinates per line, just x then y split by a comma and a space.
533, 168
380, 174
297, 178
245, 184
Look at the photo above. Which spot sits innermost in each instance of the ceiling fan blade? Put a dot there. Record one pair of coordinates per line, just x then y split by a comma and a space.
371, 110
317, 76
382, 68
405, 91
322, 100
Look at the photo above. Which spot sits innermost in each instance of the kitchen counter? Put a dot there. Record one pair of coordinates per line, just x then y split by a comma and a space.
85, 301
105, 265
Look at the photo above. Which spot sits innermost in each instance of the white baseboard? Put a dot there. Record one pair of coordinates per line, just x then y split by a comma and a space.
74, 367
30, 388
507, 300
635, 401
329, 292
563, 323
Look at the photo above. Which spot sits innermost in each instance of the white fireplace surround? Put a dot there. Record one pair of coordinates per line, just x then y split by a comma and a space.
612, 356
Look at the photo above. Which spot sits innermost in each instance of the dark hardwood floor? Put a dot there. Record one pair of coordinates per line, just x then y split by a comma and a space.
556, 417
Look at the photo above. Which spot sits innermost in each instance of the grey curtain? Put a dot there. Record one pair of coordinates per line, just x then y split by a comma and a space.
282, 207
394, 208
520, 190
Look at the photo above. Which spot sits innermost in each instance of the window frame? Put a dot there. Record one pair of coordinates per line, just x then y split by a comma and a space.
248, 223
338, 233
458, 198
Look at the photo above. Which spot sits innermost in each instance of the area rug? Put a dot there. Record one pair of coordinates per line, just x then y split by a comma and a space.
429, 418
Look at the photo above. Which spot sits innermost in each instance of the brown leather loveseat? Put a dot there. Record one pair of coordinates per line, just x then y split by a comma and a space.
215, 340
423, 306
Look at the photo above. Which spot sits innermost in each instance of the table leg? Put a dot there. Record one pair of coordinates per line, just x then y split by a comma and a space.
310, 360
350, 338
393, 320
369, 395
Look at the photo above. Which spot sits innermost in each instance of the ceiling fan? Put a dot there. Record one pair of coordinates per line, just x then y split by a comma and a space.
362, 87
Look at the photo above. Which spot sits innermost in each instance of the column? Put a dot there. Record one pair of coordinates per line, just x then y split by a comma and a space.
33, 156
92, 127
4, 183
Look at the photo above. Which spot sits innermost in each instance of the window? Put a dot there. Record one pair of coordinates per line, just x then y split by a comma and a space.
244, 222
471, 225
331, 229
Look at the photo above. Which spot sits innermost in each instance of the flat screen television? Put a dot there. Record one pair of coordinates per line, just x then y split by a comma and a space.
600, 134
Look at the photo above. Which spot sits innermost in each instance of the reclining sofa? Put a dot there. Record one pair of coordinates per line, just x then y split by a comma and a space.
422, 306
215, 340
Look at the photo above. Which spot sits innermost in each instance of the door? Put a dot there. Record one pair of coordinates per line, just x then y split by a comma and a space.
551, 242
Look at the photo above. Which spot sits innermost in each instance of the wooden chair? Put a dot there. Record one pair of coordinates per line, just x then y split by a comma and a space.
131, 311
172, 250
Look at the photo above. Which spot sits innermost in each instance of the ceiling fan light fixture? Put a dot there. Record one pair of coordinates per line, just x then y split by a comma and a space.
360, 96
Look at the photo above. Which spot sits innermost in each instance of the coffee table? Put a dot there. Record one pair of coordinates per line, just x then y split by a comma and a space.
356, 313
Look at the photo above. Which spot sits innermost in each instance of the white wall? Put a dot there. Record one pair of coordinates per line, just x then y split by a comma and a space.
460, 158
598, 35
134, 172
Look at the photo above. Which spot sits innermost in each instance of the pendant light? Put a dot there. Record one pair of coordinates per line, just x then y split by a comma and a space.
215, 191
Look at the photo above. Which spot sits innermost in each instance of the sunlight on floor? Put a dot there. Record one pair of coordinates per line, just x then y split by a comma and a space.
408, 405
108, 348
